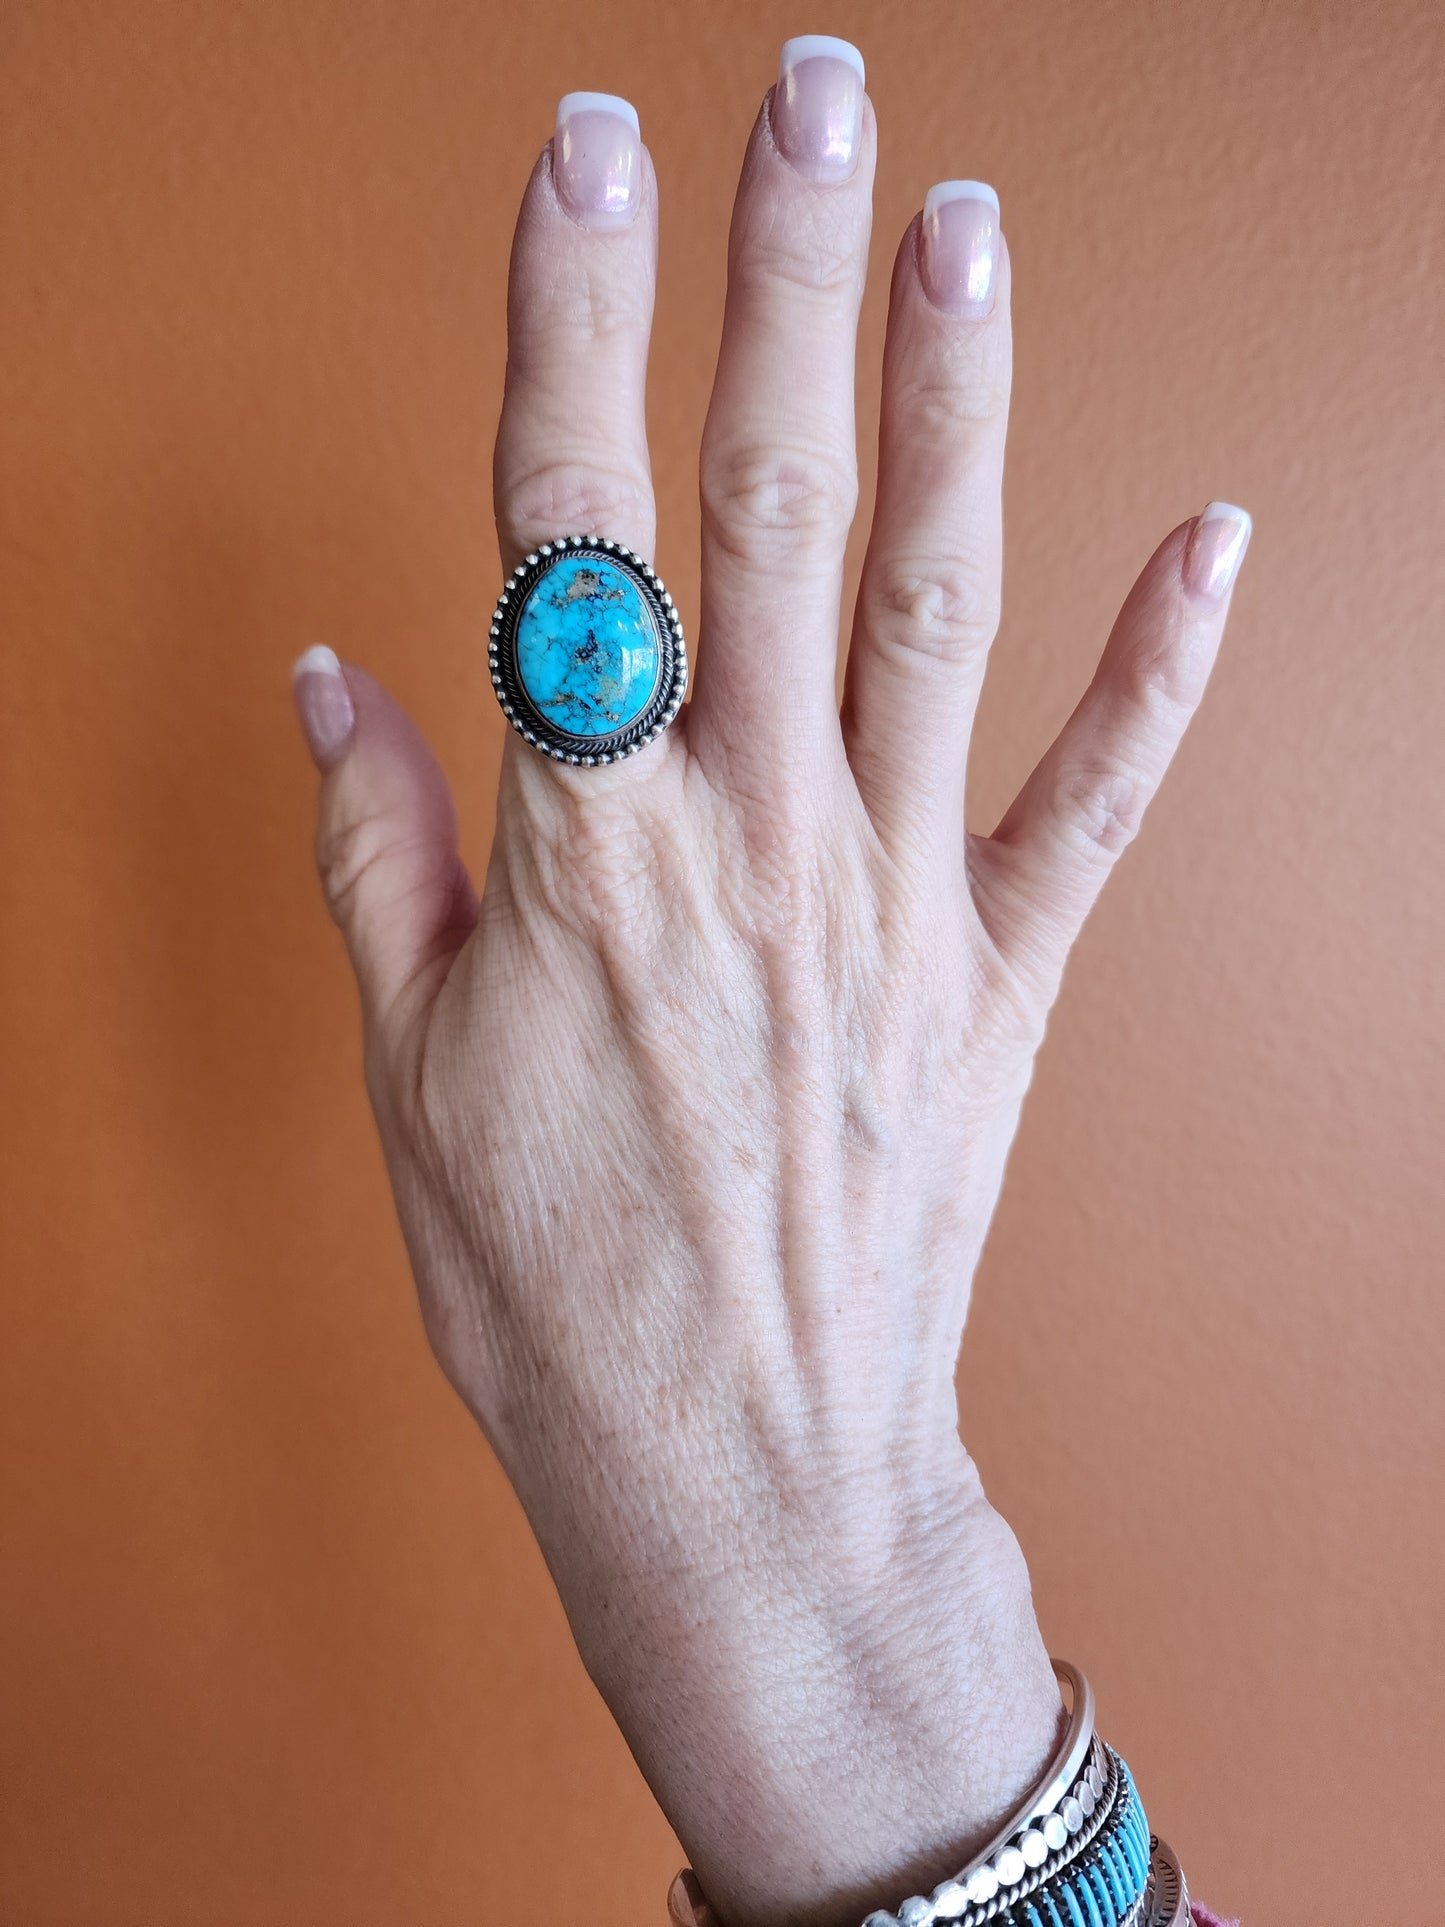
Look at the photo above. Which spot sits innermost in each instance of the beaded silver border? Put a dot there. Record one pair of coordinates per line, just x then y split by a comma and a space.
1014, 1872
1075, 1850
519, 709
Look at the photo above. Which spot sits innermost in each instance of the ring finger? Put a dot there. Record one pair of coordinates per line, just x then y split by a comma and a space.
571, 454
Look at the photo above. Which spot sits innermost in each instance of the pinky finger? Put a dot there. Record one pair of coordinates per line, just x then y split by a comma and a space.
386, 850
1037, 878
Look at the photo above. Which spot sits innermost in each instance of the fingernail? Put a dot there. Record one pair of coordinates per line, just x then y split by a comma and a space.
597, 158
685, 1903
323, 704
1217, 543
817, 112
960, 247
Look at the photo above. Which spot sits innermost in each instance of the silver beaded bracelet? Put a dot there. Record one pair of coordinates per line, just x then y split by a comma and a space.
1058, 1807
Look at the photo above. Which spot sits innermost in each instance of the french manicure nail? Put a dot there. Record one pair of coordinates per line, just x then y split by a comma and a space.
960, 247
323, 704
597, 158
1217, 543
817, 112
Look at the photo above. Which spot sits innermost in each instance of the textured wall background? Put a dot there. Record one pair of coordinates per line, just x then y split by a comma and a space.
276, 1648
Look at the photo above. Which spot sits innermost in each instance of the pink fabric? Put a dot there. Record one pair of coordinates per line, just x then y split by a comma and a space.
1203, 1917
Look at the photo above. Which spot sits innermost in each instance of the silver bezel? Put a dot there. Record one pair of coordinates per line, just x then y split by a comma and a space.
517, 706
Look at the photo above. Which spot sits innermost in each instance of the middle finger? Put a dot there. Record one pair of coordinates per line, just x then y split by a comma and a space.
779, 461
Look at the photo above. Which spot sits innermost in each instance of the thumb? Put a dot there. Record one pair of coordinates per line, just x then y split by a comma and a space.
386, 843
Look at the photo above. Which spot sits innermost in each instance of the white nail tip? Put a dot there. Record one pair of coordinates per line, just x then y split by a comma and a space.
942, 192
1227, 512
571, 104
317, 661
818, 46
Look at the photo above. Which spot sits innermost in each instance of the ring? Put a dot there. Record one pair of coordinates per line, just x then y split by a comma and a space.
586, 651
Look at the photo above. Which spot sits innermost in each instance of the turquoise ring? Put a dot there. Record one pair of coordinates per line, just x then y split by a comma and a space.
586, 651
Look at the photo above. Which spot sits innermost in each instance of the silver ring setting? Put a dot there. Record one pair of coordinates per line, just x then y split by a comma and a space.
586, 651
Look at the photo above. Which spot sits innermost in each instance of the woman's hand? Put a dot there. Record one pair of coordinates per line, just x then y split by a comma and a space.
697, 1119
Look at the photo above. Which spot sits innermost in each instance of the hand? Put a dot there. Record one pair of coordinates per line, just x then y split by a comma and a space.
696, 1120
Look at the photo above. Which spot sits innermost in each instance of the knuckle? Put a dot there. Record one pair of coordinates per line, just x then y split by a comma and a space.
597, 308
595, 862
756, 498
1164, 677
348, 855
1100, 808
576, 498
945, 608
794, 249
601, 877
567, 303
960, 388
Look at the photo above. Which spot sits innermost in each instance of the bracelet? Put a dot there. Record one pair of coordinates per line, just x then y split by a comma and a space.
1168, 1891
1078, 1852
1062, 1800
1098, 1879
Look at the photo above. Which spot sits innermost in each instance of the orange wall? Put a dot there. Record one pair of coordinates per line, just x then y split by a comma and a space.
276, 1647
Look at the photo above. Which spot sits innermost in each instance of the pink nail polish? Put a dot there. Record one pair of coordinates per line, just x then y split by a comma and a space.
597, 159
817, 111
323, 704
1217, 543
960, 247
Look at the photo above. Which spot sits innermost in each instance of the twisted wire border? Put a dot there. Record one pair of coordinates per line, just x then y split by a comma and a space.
517, 706
1073, 1850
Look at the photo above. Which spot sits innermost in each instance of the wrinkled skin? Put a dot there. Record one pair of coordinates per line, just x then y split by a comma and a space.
696, 1116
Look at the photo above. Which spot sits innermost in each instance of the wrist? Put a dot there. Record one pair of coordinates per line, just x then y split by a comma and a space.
833, 1712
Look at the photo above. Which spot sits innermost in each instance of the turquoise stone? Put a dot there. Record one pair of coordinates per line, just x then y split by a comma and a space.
588, 654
